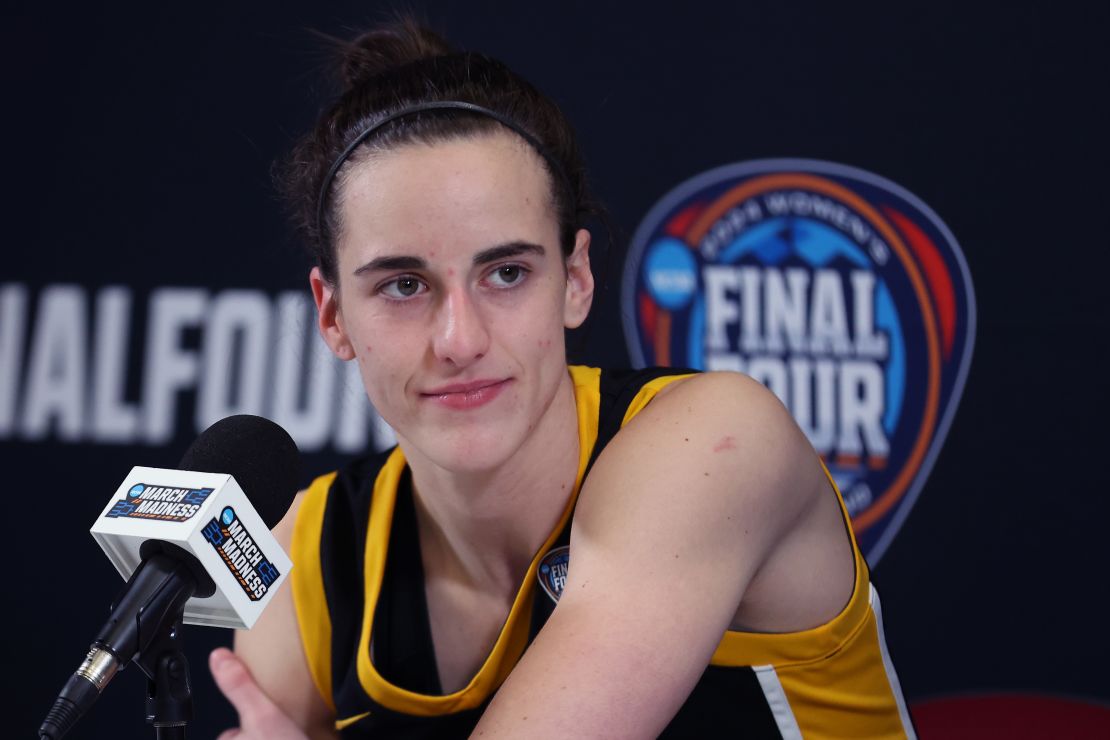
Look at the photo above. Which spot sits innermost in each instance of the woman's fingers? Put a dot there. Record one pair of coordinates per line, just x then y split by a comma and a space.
237, 684
259, 717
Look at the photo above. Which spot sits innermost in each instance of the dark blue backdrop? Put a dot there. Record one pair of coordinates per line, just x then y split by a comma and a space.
138, 143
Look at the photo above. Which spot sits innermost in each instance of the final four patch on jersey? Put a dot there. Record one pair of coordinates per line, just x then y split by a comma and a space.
841, 291
552, 572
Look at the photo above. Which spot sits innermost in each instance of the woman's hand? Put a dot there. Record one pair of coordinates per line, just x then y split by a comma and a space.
259, 717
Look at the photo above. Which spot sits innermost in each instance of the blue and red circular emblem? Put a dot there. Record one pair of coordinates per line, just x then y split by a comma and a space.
840, 290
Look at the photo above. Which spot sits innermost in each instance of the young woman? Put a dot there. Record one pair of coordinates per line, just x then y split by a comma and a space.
549, 551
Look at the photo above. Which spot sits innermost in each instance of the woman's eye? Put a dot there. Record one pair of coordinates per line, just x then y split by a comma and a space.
403, 287
507, 275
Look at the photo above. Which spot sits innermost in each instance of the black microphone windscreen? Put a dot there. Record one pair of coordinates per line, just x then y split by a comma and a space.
258, 453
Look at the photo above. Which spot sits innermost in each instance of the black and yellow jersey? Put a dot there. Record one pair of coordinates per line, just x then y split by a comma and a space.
358, 586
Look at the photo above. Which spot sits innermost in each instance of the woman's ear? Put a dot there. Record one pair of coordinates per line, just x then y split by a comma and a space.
580, 282
328, 319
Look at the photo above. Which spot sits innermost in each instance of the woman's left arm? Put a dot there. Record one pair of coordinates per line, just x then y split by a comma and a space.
678, 514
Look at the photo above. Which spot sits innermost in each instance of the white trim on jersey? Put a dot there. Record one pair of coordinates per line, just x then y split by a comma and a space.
891, 676
777, 701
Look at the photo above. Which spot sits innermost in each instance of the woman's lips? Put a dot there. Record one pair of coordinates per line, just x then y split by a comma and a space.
467, 395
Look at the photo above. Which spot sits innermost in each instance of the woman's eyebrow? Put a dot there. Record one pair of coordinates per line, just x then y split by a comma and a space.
392, 262
509, 249
409, 262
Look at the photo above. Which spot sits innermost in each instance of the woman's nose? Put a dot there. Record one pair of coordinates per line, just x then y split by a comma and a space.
461, 336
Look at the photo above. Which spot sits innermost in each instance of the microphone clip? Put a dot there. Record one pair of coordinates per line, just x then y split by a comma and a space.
169, 698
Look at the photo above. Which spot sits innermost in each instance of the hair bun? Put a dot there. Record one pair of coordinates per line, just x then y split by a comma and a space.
388, 47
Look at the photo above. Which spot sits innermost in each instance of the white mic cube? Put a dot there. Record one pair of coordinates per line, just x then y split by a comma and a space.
208, 515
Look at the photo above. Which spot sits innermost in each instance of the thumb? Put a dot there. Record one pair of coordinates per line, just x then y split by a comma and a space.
237, 684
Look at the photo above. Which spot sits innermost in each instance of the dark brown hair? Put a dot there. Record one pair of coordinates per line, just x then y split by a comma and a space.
400, 65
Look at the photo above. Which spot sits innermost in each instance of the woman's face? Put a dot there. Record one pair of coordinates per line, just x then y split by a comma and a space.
453, 295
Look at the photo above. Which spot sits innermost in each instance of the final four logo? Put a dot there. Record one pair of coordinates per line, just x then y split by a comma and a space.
841, 291
552, 573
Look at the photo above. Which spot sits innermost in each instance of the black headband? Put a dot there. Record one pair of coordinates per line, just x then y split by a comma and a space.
363, 135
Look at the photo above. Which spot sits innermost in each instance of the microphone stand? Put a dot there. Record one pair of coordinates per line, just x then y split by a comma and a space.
158, 636
169, 700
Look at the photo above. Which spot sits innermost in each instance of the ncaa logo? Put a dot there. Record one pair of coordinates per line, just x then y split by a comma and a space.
839, 290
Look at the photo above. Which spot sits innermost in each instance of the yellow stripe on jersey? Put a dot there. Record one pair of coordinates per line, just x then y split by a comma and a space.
308, 585
587, 399
846, 696
648, 392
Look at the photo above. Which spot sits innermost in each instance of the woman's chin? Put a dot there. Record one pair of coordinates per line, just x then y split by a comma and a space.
468, 453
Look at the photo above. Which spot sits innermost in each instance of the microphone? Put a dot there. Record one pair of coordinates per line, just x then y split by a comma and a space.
194, 545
